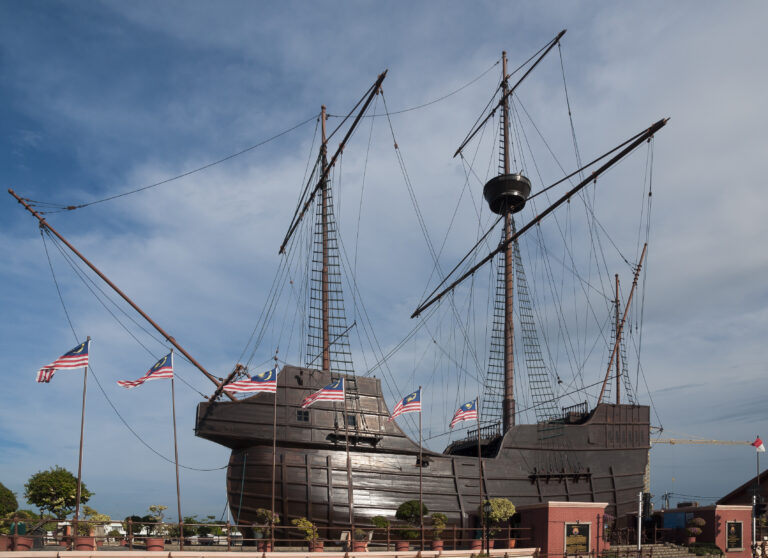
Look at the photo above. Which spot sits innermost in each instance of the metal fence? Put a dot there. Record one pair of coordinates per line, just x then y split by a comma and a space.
52, 534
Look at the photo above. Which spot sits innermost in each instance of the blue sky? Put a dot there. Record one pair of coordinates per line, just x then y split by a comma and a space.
97, 98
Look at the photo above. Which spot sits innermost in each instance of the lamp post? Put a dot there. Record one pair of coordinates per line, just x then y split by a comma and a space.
487, 513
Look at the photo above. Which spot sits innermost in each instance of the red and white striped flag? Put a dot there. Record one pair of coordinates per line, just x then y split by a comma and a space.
266, 381
332, 392
163, 368
759, 445
76, 358
411, 403
468, 411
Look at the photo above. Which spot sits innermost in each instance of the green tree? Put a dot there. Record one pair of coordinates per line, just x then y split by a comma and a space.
501, 510
8, 501
55, 491
409, 512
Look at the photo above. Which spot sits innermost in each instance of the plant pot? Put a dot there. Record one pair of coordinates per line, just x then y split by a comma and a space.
491, 543
22, 543
315, 546
85, 543
359, 546
476, 544
437, 545
402, 546
155, 544
690, 540
99, 544
511, 543
5, 542
264, 545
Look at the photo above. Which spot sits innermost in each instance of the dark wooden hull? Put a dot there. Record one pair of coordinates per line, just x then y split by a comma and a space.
599, 456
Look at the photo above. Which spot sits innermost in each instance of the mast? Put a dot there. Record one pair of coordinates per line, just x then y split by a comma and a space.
509, 326
618, 342
324, 274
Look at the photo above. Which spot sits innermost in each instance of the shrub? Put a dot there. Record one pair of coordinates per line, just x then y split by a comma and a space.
380, 522
501, 510
409, 512
439, 521
694, 526
265, 520
306, 527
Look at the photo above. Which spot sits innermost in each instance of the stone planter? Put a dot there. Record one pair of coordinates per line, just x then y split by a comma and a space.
264, 545
476, 544
5, 543
359, 546
22, 543
511, 543
402, 546
437, 546
155, 544
316, 546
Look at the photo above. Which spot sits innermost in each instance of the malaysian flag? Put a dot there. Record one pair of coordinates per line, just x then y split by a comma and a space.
76, 358
468, 411
332, 392
163, 368
266, 381
411, 403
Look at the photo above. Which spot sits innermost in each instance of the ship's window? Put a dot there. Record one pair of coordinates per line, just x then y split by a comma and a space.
302, 415
352, 421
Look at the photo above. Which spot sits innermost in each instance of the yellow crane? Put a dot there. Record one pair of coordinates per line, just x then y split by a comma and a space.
675, 441
682, 441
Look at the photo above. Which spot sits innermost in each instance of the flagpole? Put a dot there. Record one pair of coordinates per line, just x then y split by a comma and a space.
80, 458
421, 467
176, 458
274, 460
480, 469
757, 498
349, 471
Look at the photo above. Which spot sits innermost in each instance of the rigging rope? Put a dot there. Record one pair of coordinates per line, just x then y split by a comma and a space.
62, 208
428, 103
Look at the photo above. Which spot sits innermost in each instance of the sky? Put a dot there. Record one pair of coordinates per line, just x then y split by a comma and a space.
101, 98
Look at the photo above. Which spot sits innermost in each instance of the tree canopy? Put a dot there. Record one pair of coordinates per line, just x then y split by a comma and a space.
55, 491
8, 502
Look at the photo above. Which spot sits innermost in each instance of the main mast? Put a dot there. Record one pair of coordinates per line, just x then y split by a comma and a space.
509, 325
506, 194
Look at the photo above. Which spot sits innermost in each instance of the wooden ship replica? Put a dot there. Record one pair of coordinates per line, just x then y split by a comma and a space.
339, 465
339, 473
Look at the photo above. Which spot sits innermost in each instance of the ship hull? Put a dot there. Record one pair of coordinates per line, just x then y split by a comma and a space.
599, 456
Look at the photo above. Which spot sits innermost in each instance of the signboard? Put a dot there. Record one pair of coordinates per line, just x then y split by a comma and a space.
733, 538
576, 538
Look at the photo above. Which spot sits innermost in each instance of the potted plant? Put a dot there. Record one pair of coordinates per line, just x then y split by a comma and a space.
116, 537
18, 529
439, 521
410, 513
156, 530
310, 533
496, 514
360, 541
693, 529
381, 522
262, 529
